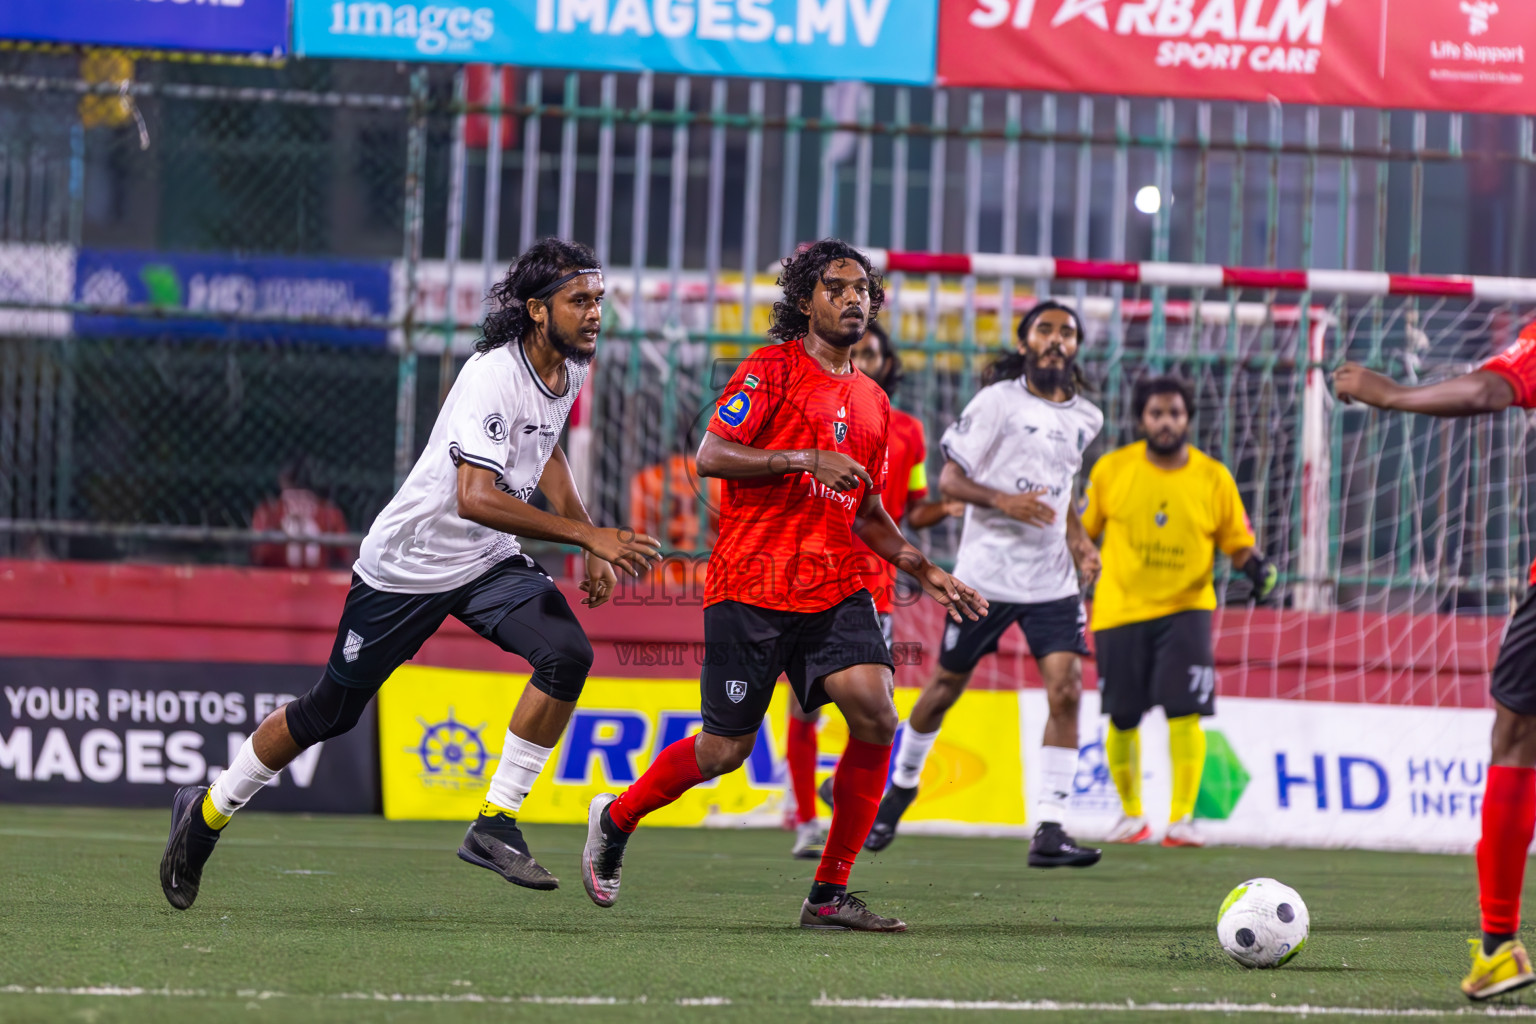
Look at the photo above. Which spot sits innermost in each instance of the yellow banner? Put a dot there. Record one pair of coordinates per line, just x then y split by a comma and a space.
441, 732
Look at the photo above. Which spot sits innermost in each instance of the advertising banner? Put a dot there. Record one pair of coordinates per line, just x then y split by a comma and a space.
329, 292
441, 731
225, 26
1301, 773
866, 40
43, 274
1462, 55
130, 733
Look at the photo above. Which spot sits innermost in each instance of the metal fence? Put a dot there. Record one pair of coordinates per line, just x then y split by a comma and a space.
154, 428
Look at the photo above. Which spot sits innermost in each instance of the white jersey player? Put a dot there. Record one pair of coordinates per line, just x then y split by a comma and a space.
1013, 457
447, 544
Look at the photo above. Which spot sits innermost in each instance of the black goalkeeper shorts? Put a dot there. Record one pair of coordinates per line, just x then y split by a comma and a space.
1165, 662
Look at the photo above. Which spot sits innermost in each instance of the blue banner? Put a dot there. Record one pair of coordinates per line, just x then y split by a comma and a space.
868, 40
232, 288
225, 26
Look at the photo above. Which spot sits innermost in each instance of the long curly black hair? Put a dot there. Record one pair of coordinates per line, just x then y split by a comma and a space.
892, 359
803, 272
1011, 364
545, 262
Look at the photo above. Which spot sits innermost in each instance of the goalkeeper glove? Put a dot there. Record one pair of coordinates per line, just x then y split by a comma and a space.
1263, 573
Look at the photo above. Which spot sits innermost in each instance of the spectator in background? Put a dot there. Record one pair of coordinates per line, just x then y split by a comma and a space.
676, 479
299, 512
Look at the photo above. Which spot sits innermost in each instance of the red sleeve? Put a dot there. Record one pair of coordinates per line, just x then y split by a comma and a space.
879, 465
1517, 364
749, 400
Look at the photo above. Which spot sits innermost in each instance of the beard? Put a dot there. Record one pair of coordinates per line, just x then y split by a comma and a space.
844, 333
1049, 379
563, 344
1165, 443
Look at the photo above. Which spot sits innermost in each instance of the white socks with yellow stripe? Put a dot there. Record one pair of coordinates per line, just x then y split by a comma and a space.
236, 785
521, 763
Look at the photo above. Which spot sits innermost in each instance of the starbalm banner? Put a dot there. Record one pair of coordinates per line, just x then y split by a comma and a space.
1458, 55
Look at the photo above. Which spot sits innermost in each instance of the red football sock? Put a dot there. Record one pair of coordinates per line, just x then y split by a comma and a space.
1509, 817
800, 755
856, 788
674, 772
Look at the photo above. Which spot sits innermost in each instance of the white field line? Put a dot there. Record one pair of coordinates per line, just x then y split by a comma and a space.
1052, 1006
1022, 1006
130, 992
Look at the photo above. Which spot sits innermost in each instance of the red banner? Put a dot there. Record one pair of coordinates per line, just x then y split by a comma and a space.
1463, 55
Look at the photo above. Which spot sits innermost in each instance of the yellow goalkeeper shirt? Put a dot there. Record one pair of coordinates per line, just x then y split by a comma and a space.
1161, 529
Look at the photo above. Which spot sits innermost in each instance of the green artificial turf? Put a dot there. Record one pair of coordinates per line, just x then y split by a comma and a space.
299, 914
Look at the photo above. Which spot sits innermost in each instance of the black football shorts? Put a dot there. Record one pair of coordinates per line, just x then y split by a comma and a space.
1165, 662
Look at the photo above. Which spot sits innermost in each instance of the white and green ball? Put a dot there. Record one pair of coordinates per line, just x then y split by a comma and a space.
1262, 923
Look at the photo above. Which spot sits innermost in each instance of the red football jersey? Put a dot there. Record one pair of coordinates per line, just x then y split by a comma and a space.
906, 480
1517, 364
786, 542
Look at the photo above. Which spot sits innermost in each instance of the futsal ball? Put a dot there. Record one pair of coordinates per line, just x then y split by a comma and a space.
1262, 923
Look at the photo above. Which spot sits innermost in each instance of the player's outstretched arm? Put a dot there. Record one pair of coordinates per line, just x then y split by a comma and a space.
1467, 395
876, 529
559, 486
1026, 507
729, 460
481, 502
924, 514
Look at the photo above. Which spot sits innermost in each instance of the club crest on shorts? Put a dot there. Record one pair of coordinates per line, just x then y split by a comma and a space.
736, 689
352, 645
951, 636
496, 427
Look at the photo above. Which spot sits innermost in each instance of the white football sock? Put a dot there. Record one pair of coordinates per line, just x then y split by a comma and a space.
1058, 767
241, 780
911, 755
521, 762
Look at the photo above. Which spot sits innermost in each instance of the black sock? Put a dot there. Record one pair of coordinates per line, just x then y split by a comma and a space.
825, 892
611, 832
1493, 940
506, 830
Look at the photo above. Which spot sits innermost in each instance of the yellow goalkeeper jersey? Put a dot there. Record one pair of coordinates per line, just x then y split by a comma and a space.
1161, 529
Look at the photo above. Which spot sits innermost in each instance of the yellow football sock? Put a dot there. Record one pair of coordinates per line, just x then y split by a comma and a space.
490, 810
211, 815
1186, 748
1123, 751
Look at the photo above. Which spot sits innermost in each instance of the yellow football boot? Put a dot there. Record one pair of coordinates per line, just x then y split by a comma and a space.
1508, 968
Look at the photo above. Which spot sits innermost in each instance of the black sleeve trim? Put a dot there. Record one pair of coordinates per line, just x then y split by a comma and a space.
957, 460
458, 456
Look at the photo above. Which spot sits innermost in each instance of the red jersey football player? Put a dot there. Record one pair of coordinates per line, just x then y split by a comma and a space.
906, 482
1499, 962
799, 439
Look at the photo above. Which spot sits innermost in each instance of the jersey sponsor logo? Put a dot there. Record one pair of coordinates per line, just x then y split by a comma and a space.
736, 690
751, 381
496, 427
352, 646
734, 411
1025, 485
544, 429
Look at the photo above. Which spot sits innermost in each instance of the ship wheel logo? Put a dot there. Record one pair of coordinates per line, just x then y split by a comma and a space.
451, 751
